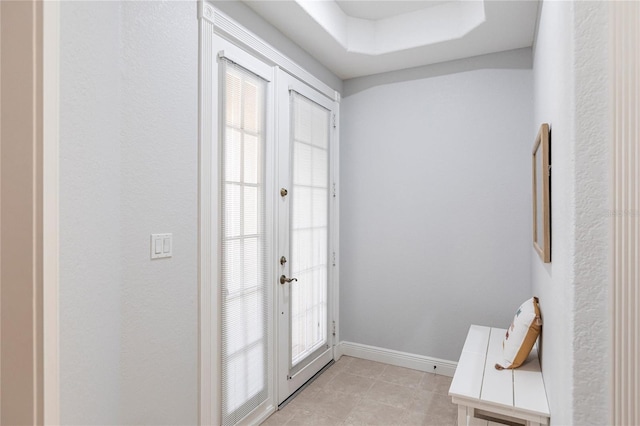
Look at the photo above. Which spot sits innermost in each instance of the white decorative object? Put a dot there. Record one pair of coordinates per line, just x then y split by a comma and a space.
521, 335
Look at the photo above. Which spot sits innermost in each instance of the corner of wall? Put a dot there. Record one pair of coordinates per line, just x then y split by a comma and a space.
592, 174
571, 94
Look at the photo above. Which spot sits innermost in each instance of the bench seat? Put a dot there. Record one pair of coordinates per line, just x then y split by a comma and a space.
486, 396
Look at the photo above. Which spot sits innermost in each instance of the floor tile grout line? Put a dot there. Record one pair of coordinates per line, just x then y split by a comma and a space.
378, 378
351, 411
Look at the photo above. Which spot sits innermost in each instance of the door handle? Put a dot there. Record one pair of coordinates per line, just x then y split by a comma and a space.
284, 279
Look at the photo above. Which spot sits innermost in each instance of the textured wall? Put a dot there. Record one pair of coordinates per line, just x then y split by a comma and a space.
592, 238
435, 203
159, 189
128, 168
90, 249
571, 95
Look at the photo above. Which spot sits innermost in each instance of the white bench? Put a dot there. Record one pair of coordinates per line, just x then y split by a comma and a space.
486, 396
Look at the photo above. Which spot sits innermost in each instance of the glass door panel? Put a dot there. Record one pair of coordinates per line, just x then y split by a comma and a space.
309, 227
304, 142
245, 284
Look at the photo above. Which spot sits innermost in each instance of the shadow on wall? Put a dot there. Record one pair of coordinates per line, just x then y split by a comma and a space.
514, 59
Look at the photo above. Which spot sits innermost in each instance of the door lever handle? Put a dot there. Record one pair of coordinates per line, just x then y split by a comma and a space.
284, 279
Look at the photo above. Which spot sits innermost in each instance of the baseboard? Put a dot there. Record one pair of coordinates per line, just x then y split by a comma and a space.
401, 359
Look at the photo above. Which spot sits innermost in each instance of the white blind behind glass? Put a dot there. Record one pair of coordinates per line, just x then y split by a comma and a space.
245, 293
309, 227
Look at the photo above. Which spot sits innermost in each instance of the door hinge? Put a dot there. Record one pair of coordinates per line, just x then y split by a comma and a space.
334, 190
334, 120
334, 328
333, 259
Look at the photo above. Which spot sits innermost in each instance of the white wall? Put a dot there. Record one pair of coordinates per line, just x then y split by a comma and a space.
570, 79
159, 194
129, 111
90, 233
128, 168
435, 202
553, 105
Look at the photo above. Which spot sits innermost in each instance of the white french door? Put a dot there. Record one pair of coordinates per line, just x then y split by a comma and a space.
275, 205
304, 239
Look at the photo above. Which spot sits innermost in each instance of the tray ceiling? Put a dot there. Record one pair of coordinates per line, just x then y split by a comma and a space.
357, 38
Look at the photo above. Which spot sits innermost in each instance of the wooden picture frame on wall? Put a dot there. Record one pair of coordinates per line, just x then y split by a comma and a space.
541, 167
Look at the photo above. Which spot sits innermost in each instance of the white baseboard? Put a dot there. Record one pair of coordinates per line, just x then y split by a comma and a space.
401, 359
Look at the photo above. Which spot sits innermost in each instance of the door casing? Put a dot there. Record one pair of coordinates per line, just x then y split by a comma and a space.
29, 34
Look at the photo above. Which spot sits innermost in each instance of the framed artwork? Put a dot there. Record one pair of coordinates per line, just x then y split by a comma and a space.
542, 194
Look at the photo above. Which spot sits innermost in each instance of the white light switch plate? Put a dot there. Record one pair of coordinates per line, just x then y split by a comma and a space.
161, 245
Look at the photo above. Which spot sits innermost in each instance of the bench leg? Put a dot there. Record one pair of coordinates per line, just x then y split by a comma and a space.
462, 415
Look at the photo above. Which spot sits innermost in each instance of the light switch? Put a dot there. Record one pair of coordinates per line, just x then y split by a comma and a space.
161, 245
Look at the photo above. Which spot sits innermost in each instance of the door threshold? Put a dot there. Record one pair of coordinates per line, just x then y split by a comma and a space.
304, 386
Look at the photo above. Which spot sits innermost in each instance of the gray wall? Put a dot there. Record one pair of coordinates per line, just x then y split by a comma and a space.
571, 94
90, 233
159, 193
435, 202
129, 111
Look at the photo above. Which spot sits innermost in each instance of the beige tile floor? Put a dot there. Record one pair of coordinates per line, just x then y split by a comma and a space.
355, 391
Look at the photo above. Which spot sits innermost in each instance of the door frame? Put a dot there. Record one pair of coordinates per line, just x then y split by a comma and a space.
30, 162
213, 26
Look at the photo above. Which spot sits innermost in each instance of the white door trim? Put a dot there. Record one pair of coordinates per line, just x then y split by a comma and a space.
50, 216
208, 220
214, 23
230, 30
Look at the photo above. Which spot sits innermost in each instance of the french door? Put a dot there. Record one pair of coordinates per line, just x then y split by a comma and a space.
275, 234
304, 241
247, 229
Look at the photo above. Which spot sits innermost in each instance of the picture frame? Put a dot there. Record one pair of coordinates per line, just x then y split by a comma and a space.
541, 192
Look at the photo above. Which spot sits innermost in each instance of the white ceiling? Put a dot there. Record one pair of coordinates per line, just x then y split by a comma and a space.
354, 38
376, 9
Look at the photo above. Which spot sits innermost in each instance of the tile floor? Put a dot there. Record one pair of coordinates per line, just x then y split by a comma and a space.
355, 391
